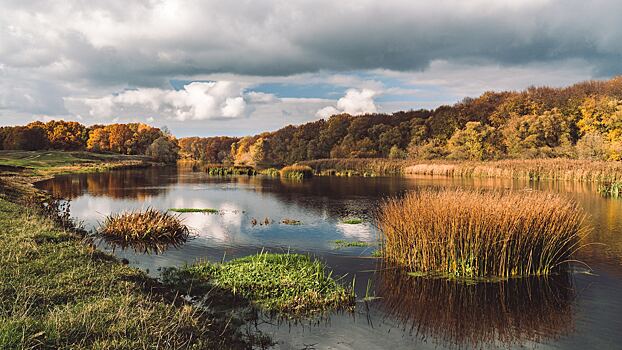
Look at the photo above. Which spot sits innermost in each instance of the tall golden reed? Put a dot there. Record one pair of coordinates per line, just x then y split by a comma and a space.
477, 234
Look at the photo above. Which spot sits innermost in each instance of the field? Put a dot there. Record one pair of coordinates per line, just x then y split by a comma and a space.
60, 162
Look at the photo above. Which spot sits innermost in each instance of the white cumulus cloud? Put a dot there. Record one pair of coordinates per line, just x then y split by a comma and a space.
196, 101
355, 102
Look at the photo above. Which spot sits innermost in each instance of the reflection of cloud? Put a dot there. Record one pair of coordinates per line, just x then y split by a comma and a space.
220, 227
360, 231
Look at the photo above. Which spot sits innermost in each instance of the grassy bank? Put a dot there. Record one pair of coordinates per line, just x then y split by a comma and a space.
56, 292
290, 284
473, 234
532, 169
60, 162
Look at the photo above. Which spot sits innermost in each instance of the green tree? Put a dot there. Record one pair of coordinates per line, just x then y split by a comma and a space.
475, 142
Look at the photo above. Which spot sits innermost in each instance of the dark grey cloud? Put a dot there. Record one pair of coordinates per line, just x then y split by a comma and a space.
147, 42
52, 52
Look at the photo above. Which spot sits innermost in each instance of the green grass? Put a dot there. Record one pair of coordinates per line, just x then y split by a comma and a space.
57, 293
68, 162
340, 243
290, 284
352, 221
195, 210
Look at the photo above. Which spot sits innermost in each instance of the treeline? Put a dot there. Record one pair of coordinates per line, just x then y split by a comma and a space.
581, 121
131, 139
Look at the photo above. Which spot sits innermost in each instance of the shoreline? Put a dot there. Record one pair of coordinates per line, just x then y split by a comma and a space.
83, 297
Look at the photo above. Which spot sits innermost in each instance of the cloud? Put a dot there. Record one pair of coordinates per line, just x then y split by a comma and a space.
355, 102
196, 101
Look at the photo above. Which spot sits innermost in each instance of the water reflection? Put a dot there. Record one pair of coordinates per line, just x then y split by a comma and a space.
459, 314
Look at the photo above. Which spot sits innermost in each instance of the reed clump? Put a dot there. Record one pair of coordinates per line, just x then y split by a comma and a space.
475, 234
296, 172
149, 226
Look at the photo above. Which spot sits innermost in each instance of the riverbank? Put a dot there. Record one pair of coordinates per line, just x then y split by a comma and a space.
57, 292
530, 169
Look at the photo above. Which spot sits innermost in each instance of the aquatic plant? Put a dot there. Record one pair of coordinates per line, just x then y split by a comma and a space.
272, 172
223, 170
475, 234
291, 222
353, 221
195, 210
149, 227
341, 243
292, 284
296, 172
611, 189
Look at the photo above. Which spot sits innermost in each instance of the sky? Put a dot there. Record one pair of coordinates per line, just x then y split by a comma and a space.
206, 68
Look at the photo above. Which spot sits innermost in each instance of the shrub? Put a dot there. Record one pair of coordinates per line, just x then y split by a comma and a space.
476, 234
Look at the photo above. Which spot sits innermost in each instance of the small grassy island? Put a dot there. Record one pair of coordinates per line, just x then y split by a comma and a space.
291, 284
476, 234
149, 226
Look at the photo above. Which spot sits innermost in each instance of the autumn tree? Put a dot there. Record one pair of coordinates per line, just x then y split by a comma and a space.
475, 142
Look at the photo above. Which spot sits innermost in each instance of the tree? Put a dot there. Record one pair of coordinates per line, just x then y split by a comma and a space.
397, 153
163, 149
475, 142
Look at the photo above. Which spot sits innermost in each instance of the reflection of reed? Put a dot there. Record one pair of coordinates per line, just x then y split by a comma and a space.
142, 247
459, 314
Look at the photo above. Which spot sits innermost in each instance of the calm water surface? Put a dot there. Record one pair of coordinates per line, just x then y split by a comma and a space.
577, 311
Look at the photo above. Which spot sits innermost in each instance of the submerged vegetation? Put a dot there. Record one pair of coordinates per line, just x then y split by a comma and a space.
296, 172
195, 210
474, 234
149, 227
291, 284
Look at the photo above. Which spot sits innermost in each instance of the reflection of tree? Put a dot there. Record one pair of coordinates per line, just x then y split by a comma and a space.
134, 184
459, 314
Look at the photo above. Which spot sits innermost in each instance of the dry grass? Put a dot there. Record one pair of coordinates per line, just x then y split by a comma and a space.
296, 172
475, 234
533, 169
149, 228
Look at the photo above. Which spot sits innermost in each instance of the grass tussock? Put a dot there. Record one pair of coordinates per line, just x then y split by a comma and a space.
195, 210
474, 234
149, 226
291, 284
357, 166
296, 172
